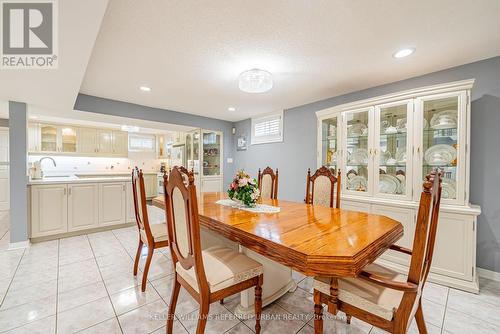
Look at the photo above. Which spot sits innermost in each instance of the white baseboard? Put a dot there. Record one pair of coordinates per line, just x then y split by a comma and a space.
489, 274
19, 245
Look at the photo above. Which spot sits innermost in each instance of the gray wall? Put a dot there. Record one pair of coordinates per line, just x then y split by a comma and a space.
130, 110
18, 179
297, 152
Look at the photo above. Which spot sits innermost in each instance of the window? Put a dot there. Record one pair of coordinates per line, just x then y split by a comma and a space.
142, 142
267, 129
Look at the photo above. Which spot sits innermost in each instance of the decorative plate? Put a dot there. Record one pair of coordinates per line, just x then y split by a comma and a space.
359, 156
356, 130
440, 155
401, 125
449, 188
357, 183
444, 119
384, 156
388, 184
391, 130
401, 155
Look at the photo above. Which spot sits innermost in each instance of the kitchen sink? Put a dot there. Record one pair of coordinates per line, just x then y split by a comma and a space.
54, 176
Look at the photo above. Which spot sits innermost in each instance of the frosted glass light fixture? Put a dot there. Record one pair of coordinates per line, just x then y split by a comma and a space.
255, 81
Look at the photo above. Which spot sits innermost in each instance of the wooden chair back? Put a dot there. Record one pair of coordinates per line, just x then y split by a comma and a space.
181, 210
423, 247
140, 203
321, 186
426, 228
268, 183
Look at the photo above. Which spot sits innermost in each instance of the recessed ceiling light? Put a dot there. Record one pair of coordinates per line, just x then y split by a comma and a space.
404, 53
255, 81
231, 109
145, 88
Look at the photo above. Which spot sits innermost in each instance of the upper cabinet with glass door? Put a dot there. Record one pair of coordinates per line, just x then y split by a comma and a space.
389, 144
442, 142
393, 148
212, 155
357, 151
330, 133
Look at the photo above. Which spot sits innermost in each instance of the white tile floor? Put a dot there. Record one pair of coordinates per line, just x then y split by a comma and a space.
84, 284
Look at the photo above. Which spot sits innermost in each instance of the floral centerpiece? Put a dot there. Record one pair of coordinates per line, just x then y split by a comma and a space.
244, 189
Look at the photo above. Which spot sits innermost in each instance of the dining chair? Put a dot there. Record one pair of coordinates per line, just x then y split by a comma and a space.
268, 183
208, 275
381, 296
321, 186
154, 236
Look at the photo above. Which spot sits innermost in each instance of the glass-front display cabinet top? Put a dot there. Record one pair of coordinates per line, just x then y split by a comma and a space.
329, 143
48, 137
392, 150
357, 155
440, 141
68, 139
211, 154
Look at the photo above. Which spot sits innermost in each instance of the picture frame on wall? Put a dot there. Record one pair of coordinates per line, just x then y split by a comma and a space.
241, 144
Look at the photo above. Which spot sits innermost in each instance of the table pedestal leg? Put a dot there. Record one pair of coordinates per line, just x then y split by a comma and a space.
334, 294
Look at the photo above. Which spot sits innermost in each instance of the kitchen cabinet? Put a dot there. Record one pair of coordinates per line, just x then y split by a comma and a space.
120, 143
130, 203
33, 137
71, 140
49, 210
83, 206
112, 204
87, 141
151, 185
60, 208
384, 146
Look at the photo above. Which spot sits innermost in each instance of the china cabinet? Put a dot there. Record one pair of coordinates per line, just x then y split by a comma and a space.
204, 158
384, 147
211, 153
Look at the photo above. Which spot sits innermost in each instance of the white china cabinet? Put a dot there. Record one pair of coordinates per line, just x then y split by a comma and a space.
204, 157
384, 147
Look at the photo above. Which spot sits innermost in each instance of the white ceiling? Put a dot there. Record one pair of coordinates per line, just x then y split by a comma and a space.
56, 89
191, 52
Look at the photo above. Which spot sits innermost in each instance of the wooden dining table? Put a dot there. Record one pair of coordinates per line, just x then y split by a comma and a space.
311, 239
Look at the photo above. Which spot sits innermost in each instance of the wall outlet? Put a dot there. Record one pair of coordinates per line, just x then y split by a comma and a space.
229, 160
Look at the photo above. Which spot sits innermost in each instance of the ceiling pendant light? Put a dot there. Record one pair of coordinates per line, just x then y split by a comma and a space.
255, 81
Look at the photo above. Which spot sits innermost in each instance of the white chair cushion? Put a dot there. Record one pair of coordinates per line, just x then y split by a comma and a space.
223, 268
159, 232
365, 295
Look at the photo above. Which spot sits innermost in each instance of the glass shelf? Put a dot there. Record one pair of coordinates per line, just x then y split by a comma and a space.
358, 137
395, 165
439, 166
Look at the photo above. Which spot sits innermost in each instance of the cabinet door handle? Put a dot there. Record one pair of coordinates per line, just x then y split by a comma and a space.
64, 191
124, 188
69, 191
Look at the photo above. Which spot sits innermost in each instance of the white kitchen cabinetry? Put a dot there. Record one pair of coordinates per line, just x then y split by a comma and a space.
150, 185
87, 141
83, 206
49, 210
60, 208
384, 147
70, 140
33, 137
112, 204
130, 203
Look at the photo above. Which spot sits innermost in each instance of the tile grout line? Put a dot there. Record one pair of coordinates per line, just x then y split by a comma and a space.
105, 287
12, 278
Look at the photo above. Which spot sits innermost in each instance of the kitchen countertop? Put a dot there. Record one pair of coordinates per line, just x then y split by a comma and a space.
85, 178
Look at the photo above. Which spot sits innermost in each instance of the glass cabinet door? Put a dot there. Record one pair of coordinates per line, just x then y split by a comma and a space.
68, 139
196, 152
357, 152
48, 138
329, 143
211, 153
393, 149
440, 140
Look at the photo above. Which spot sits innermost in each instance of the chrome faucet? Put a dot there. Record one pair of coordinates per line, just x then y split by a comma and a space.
38, 172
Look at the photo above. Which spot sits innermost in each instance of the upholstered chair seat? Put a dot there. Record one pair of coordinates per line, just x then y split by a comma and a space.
365, 295
158, 231
223, 268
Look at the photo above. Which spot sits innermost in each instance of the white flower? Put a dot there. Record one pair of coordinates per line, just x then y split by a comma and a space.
243, 182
